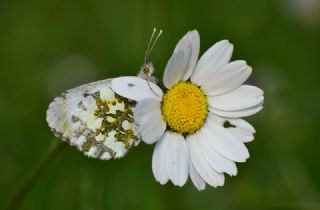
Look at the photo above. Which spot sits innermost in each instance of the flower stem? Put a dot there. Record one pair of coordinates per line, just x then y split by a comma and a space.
28, 182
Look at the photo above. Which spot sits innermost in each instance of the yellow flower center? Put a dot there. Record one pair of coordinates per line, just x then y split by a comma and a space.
184, 108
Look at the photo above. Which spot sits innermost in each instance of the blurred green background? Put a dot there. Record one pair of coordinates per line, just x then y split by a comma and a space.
47, 47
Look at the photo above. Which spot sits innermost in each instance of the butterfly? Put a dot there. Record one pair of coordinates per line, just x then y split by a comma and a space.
96, 120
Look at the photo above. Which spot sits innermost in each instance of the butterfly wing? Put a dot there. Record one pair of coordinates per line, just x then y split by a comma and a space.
94, 119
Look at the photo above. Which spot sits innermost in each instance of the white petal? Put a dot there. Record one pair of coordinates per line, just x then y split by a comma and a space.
210, 175
239, 113
136, 88
244, 97
148, 117
224, 142
229, 77
159, 161
177, 158
211, 61
241, 134
183, 60
237, 122
175, 68
196, 178
217, 161
240, 129
216, 119
240, 123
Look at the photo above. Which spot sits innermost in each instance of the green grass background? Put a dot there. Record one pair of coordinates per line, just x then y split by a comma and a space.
47, 47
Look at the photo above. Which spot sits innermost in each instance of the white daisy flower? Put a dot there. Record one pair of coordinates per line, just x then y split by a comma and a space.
195, 123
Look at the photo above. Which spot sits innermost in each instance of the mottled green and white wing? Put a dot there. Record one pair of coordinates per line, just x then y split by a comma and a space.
94, 119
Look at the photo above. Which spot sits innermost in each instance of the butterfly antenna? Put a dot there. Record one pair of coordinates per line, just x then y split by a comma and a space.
149, 45
154, 42
152, 89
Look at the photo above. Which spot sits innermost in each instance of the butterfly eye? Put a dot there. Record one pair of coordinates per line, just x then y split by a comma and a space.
146, 71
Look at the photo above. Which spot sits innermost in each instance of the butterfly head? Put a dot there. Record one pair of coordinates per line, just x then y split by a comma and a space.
147, 72
147, 69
